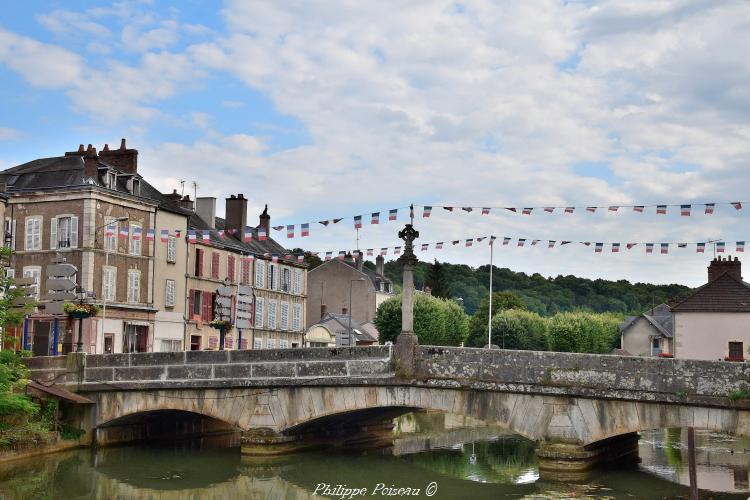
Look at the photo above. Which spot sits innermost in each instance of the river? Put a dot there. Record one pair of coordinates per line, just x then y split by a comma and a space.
456, 457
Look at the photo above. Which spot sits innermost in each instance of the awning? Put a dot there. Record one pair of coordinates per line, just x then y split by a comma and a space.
138, 323
58, 393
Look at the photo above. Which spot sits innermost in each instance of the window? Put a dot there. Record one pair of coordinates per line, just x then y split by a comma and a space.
33, 233
135, 239
109, 343
10, 233
284, 344
169, 289
245, 272
271, 314
36, 273
258, 312
215, 265
134, 286
196, 303
297, 286
655, 346
198, 262
272, 276
736, 352
10, 273
271, 343
171, 345
286, 280
63, 232
171, 249
110, 241
109, 281
257, 344
285, 316
260, 273
297, 317
110, 179
231, 274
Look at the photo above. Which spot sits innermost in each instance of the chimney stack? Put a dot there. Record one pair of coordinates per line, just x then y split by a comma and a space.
205, 208
323, 310
174, 197
380, 265
720, 266
236, 214
344, 310
265, 221
360, 260
186, 203
123, 159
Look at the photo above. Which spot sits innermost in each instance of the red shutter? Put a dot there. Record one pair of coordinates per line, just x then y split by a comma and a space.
230, 268
246, 272
211, 307
198, 262
215, 265
206, 310
191, 305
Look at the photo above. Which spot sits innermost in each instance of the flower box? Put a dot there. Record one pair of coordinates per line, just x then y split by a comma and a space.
665, 355
80, 310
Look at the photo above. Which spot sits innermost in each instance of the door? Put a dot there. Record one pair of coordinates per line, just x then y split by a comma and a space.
195, 342
42, 338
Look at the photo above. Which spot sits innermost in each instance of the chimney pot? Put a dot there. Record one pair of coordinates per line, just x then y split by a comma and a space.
323, 310
344, 310
106, 147
122, 144
80, 148
719, 266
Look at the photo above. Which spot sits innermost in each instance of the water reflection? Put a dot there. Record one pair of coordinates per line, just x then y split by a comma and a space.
465, 458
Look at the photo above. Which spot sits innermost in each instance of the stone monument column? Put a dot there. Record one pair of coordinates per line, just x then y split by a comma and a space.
406, 342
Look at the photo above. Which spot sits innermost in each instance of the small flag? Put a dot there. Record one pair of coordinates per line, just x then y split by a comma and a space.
450, 209
288, 256
369, 252
277, 228
512, 209
638, 208
591, 209
700, 248
527, 211
485, 211
549, 209
685, 210
250, 258
424, 246
290, 231
396, 250
720, 247
110, 231
164, 235
232, 231
222, 234
427, 212
305, 230
737, 205
587, 243
661, 209
565, 242
124, 232
261, 234
630, 245
649, 248
177, 233
136, 233
521, 242
479, 240
613, 208
439, 245
467, 209
393, 214
740, 246
375, 218
301, 258
329, 255
267, 255
247, 235
506, 240
709, 208
324, 222
455, 242
469, 242
274, 258
682, 245
534, 242
598, 247
336, 221
342, 254
192, 236
615, 247
551, 244
569, 210
384, 251
664, 248
357, 222
492, 239
206, 236
150, 235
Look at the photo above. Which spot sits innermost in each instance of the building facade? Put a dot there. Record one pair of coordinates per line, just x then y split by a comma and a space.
649, 334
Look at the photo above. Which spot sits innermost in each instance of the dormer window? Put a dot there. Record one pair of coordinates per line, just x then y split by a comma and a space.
134, 186
110, 179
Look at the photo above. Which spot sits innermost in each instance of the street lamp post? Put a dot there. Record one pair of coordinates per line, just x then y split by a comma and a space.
351, 283
81, 292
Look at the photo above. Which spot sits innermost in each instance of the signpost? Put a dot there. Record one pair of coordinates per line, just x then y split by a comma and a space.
243, 311
223, 311
61, 283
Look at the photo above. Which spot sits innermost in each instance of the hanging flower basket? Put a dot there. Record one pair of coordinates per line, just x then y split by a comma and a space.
220, 323
80, 310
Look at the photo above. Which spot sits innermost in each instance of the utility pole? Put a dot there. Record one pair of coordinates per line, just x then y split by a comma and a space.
489, 319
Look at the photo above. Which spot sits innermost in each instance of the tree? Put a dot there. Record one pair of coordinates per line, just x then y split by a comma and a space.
436, 321
501, 301
438, 281
311, 259
519, 329
583, 332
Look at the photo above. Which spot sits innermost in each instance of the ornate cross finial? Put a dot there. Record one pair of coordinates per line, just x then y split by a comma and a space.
409, 234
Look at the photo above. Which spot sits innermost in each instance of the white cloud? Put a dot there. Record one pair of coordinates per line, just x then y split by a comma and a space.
9, 134
67, 23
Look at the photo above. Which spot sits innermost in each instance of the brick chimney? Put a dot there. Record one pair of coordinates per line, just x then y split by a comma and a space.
360, 260
123, 159
720, 266
323, 310
265, 221
186, 203
205, 207
344, 310
174, 197
235, 212
90, 160
380, 265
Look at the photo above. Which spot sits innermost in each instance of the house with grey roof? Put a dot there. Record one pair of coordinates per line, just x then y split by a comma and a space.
648, 334
338, 330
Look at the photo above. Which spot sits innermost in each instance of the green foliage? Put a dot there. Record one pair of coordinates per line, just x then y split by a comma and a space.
436, 321
518, 329
311, 259
583, 332
501, 301
9, 315
438, 282
13, 377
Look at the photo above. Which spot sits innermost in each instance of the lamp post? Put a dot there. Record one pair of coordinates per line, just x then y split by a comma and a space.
81, 293
351, 283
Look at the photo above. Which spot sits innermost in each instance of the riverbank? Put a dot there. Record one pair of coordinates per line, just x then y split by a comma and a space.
40, 449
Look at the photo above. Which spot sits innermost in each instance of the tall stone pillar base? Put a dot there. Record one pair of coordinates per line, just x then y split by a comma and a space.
404, 351
570, 462
267, 443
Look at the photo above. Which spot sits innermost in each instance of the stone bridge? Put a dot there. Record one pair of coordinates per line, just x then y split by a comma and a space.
579, 407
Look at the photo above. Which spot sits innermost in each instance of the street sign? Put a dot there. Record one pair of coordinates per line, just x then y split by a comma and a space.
224, 290
55, 296
224, 301
24, 281
244, 311
55, 308
61, 271
61, 284
244, 290
23, 301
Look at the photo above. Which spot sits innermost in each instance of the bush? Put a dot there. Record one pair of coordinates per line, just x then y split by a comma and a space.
436, 321
517, 329
583, 332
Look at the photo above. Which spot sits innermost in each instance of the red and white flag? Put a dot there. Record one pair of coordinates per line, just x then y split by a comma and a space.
329, 255
638, 208
661, 209
342, 254
290, 231
222, 234
737, 205
685, 210
569, 210
615, 247
740, 246
396, 250
709, 208
301, 258
485, 211
370, 252
549, 209
384, 251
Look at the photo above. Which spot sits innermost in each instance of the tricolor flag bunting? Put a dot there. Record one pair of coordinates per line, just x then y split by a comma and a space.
598, 247
591, 209
737, 205
384, 251
613, 208
661, 209
630, 245
290, 231
615, 247
664, 248
526, 211
150, 234
191, 236
324, 222
439, 245
649, 248
549, 209
485, 211
565, 242
277, 228
427, 211
393, 214
467, 209
534, 242
288, 256
206, 236
551, 244
396, 250
480, 239
425, 246
177, 233
357, 222
164, 235
247, 234
685, 210
261, 234
569, 210
720, 247
369, 252
682, 245
222, 234
700, 248
469, 242
110, 231
301, 258
329, 255
375, 218
521, 241
342, 254
305, 230
506, 240
740, 246
124, 232
136, 233
455, 242
638, 208
512, 209
709, 208
336, 221
274, 258
450, 209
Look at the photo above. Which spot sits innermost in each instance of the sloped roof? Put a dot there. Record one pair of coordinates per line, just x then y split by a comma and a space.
660, 317
724, 294
374, 278
338, 324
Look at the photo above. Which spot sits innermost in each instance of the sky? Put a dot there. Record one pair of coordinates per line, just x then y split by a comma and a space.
326, 109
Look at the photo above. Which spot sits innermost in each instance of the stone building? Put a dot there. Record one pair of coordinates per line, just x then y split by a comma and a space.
329, 286
649, 334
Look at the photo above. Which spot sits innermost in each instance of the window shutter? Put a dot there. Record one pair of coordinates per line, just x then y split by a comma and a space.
53, 233
29, 235
191, 304
198, 262
215, 265
74, 232
246, 272
230, 268
13, 234
206, 299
